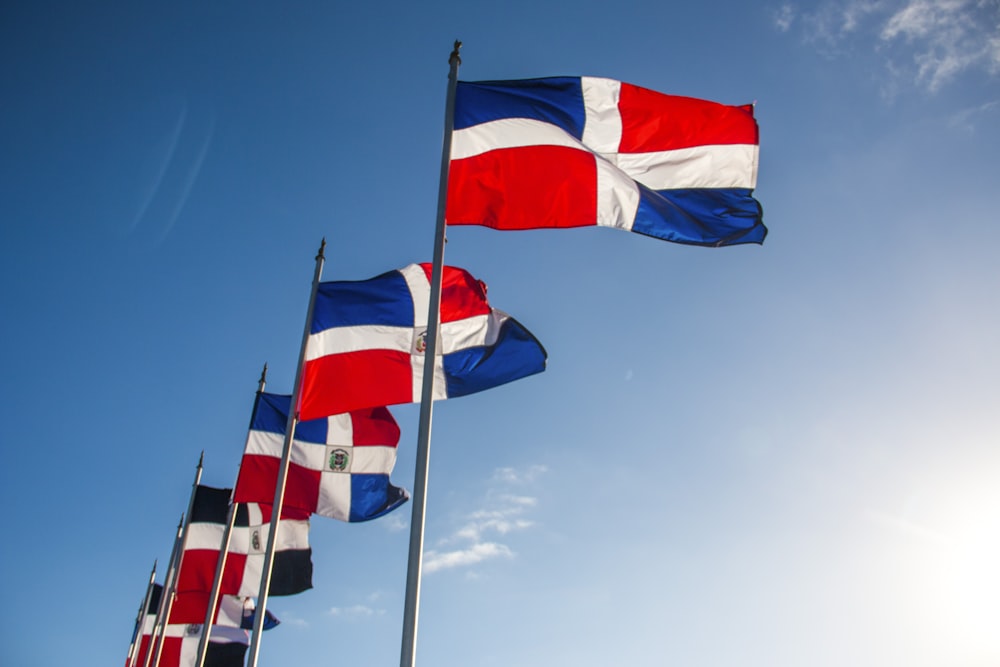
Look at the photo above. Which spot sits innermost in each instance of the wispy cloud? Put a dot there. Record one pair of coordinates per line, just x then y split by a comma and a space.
475, 553
355, 611
784, 16
174, 166
291, 620
948, 37
162, 159
928, 42
189, 178
966, 119
395, 522
476, 537
519, 475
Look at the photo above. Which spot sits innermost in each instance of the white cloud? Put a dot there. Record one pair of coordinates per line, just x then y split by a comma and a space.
501, 514
928, 42
948, 37
784, 17
477, 553
516, 476
967, 119
288, 620
395, 522
355, 611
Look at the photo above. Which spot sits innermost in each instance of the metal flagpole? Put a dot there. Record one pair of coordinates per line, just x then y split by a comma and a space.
170, 584
140, 620
279, 488
213, 599
163, 598
413, 567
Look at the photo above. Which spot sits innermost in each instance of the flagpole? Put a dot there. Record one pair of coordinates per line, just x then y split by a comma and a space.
286, 455
414, 562
140, 620
220, 567
163, 594
170, 584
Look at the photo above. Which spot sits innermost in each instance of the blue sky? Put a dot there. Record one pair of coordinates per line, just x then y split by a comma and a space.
781, 455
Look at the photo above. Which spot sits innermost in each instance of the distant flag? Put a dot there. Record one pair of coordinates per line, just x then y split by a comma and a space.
250, 613
585, 151
227, 643
339, 465
145, 630
367, 341
244, 562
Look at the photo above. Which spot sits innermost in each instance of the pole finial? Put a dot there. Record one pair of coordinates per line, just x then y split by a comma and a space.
454, 57
201, 459
263, 378
322, 248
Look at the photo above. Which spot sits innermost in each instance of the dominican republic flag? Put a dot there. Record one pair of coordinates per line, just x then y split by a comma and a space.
227, 646
249, 616
140, 638
585, 151
339, 465
232, 611
187, 614
367, 341
292, 567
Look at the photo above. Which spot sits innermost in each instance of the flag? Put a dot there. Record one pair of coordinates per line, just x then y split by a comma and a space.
227, 646
584, 151
232, 611
249, 616
367, 341
292, 565
227, 643
189, 607
145, 630
339, 465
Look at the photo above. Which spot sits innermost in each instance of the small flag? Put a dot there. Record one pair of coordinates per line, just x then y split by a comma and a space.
339, 465
250, 616
585, 151
367, 341
292, 567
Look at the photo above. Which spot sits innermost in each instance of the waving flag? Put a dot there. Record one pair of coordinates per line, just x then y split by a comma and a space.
250, 616
227, 646
227, 643
339, 465
292, 571
189, 608
143, 631
367, 341
584, 151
